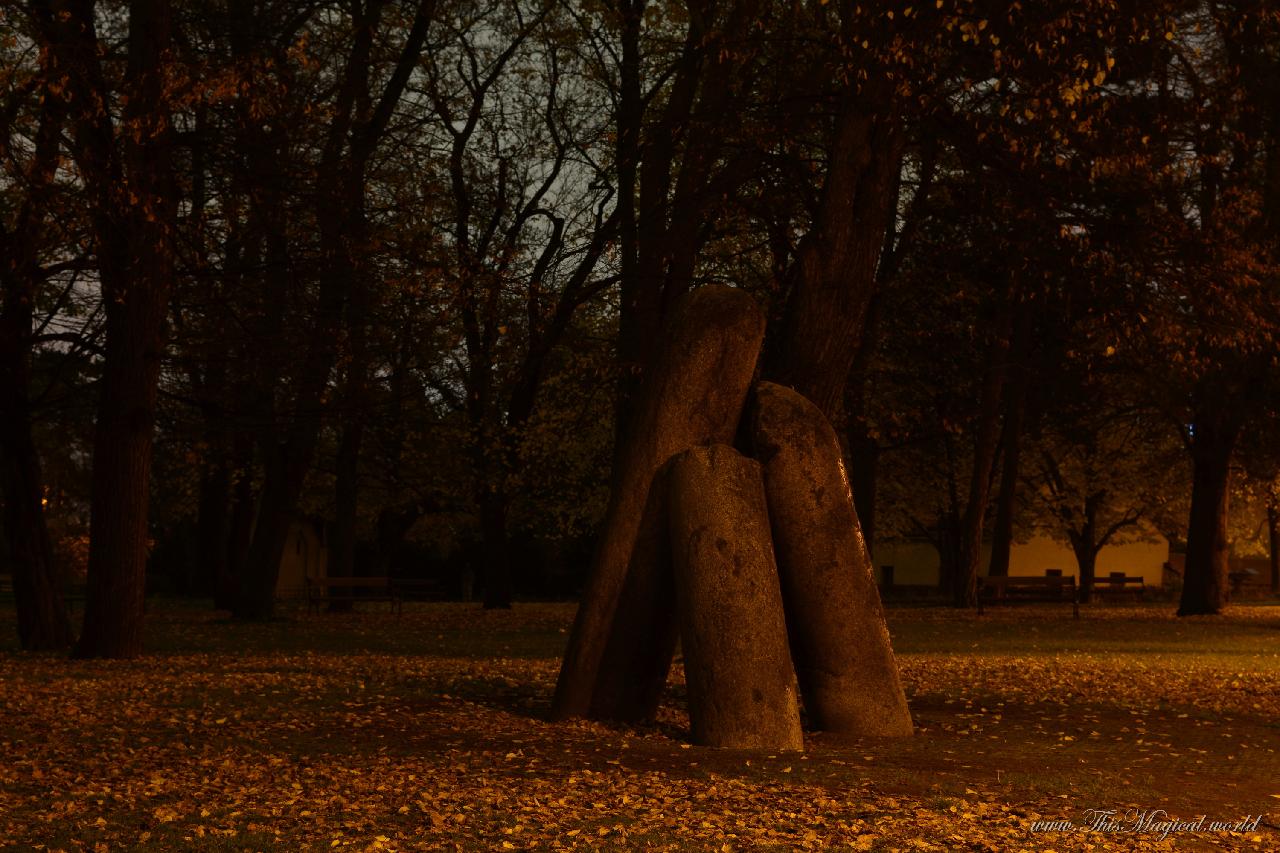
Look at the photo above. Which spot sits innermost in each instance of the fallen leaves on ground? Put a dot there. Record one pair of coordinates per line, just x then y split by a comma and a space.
419, 744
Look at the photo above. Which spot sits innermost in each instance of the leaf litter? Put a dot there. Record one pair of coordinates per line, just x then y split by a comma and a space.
427, 732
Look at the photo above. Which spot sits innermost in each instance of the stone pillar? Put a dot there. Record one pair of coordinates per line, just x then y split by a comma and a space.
692, 394
742, 687
839, 641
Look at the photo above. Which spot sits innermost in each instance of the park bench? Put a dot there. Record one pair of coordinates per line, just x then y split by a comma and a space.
394, 591
1120, 585
1015, 589
1238, 579
417, 589
324, 590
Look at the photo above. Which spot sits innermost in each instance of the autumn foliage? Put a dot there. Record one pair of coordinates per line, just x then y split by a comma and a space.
430, 732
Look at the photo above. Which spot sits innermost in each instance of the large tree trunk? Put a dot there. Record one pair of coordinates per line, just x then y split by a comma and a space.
213, 520
1204, 588
688, 166
261, 516
692, 394
288, 450
42, 616
133, 231
118, 535
213, 505
1002, 534
495, 550
839, 640
1273, 538
834, 275
342, 544
1011, 439
239, 526
640, 298
288, 461
1083, 545
742, 688
947, 537
986, 443
342, 541
285, 473
355, 405
285, 448
393, 525
354, 134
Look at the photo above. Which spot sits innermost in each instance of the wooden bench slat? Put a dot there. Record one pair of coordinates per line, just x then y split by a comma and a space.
1118, 583
381, 588
332, 589
1022, 588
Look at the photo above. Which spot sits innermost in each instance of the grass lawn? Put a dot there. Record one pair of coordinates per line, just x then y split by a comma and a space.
429, 731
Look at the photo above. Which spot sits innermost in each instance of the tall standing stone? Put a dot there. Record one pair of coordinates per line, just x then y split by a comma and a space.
691, 394
839, 640
742, 687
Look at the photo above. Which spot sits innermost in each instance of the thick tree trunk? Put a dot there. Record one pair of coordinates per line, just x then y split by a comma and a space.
948, 545
260, 520
42, 617
1014, 413
742, 688
986, 443
834, 275
640, 298
642, 640
392, 527
1086, 552
1273, 538
43, 623
495, 551
1088, 562
688, 166
288, 450
342, 541
118, 534
947, 539
1204, 588
213, 519
134, 224
351, 142
1002, 534
239, 527
355, 408
342, 544
839, 640
692, 394
283, 478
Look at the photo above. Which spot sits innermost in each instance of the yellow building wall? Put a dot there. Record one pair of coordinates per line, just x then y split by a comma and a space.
914, 563
1136, 559
917, 563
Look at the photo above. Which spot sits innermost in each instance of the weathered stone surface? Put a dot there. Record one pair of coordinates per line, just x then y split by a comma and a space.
742, 687
642, 638
839, 641
692, 394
